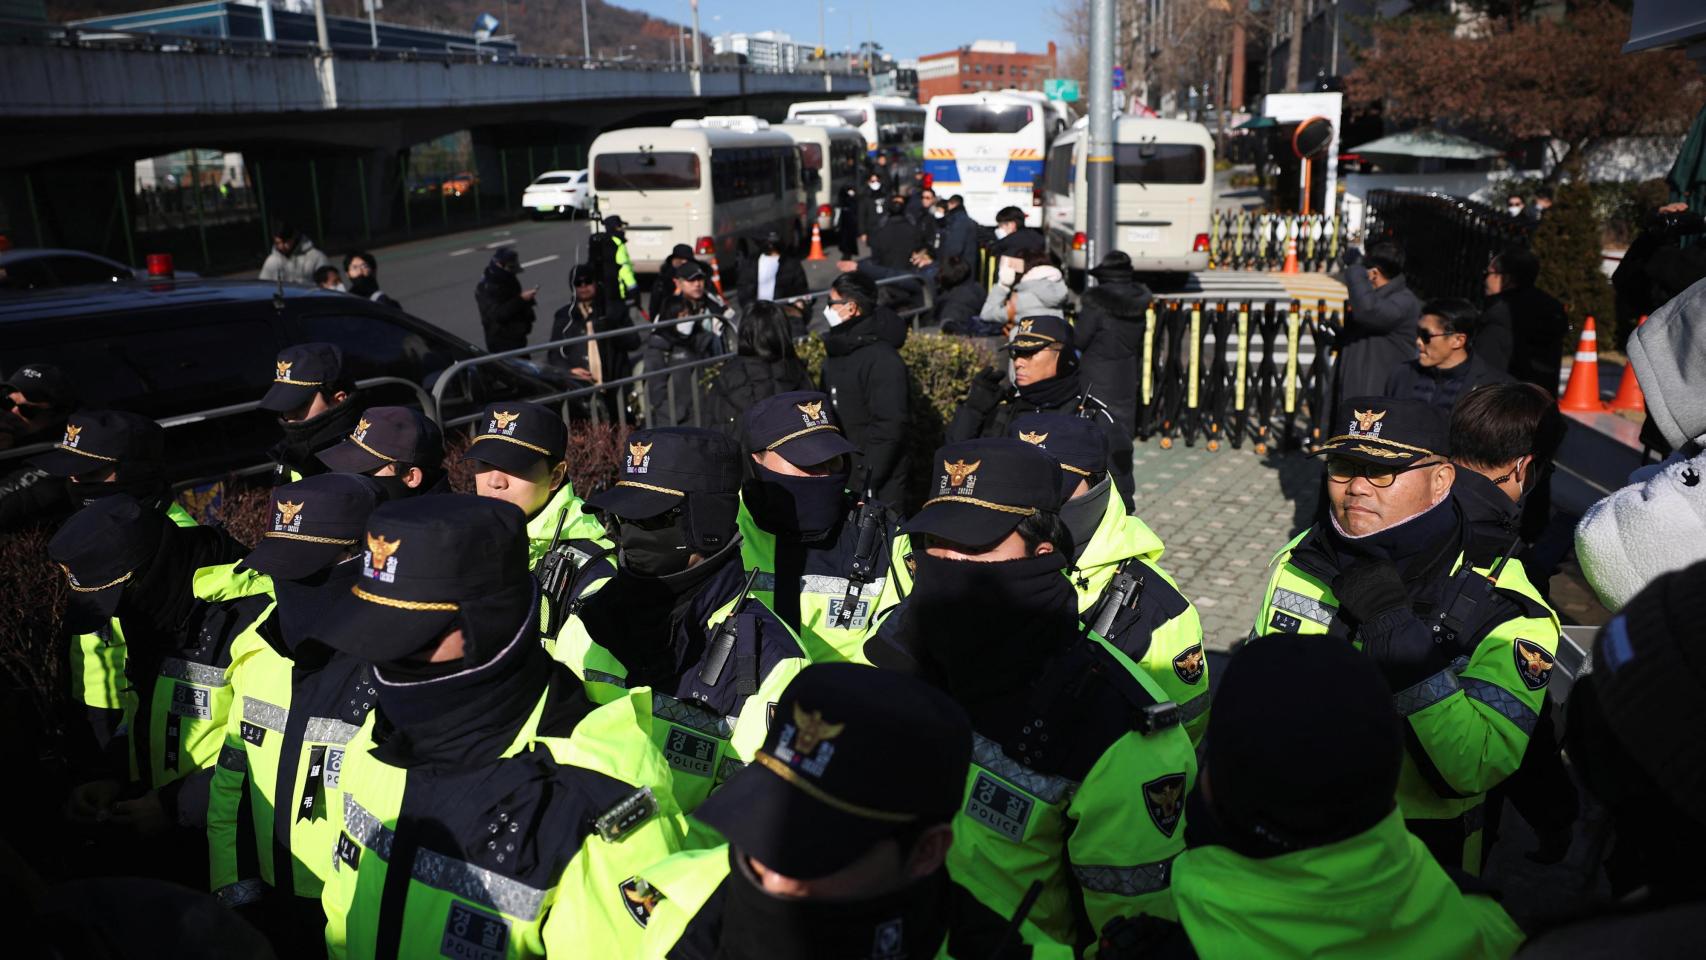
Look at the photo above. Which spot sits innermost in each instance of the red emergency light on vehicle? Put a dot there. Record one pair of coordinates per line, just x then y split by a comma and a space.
703, 248
1080, 241
160, 265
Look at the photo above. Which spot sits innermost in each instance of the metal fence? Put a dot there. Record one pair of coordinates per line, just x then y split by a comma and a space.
1257, 241
1232, 371
1447, 241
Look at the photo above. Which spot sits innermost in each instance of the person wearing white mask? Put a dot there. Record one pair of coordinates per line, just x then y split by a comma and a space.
867, 383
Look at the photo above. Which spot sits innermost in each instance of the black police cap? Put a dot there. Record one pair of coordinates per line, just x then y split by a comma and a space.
100, 549
661, 467
1081, 445
387, 435
1038, 333
101, 440
301, 372
314, 522
430, 563
799, 425
984, 488
517, 436
1388, 432
854, 755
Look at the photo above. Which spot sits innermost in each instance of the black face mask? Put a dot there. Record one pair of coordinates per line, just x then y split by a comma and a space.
1083, 516
911, 921
806, 508
152, 491
363, 286
304, 438
396, 489
989, 626
653, 550
302, 602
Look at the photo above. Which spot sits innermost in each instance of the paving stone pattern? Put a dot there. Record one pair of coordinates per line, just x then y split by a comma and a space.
1223, 515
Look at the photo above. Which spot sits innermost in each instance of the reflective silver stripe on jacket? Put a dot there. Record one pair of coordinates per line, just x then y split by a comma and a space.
666, 707
837, 586
988, 754
1144, 878
269, 716
599, 676
233, 759
1299, 605
329, 730
465, 880
1502, 700
197, 673
1423, 695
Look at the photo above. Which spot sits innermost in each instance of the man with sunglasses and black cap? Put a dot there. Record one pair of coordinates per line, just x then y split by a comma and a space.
1046, 379
317, 407
182, 604
497, 804
400, 447
1123, 594
1079, 763
837, 838
826, 554
1466, 648
680, 616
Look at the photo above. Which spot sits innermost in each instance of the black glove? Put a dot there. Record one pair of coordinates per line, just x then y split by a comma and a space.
1367, 590
987, 389
1351, 255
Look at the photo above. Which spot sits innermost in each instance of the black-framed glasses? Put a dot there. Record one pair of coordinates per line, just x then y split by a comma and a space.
1428, 337
1344, 470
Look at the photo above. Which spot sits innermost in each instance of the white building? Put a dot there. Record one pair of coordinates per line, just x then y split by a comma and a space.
766, 50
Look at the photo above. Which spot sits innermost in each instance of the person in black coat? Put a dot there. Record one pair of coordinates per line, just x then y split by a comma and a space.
847, 223
592, 312
1046, 379
663, 286
506, 310
873, 205
1445, 368
696, 334
1108, 333
959, 300
868, 383
764, 365
957, 234
1522, 330
1380, 331
772, 275
893, 242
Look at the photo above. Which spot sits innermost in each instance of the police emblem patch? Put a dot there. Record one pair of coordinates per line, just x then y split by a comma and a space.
359, 434
639, 457
472, 934
71, 433
995, 805
1366, 423
381, 564
1164, 798
960, 477
501, 421
289, 518
811, 413
283, 370
1533, 663
1188, 666
640, 899
1036, 438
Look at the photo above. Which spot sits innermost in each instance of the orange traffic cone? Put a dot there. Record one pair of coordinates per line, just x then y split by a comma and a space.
817, 245
1582, 394
1629, 395
716, 276
1291, 253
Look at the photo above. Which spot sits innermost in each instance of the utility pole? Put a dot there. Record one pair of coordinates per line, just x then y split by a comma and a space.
822, 38
373, 20
586, 34
697, 57
320, 26
1100, 155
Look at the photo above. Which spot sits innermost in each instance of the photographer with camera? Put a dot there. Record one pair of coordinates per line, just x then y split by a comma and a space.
1655, 268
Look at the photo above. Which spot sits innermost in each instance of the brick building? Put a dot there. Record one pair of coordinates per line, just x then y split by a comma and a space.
983, 65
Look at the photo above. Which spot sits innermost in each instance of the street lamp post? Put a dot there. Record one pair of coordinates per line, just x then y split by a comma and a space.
586, 33
696, 53
1100, 156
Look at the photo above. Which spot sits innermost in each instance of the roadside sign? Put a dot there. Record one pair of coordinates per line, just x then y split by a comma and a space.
1119, 78
1059, 88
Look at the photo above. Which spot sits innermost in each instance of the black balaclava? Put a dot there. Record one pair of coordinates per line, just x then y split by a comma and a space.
758, 924
989, 627
160, 596
809, 509
304, 438
302, 602
1083, 515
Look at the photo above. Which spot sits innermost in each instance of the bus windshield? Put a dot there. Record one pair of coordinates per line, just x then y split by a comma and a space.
983, 117
645, 171
1159, 163
854, 117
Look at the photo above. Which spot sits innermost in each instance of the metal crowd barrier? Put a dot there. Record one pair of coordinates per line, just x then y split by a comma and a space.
1232, 371
1257, 241
1447, 241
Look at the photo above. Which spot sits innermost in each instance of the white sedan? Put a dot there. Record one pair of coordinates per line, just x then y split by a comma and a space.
556, 192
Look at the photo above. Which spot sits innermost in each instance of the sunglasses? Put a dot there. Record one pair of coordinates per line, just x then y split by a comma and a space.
1427, 337
1344, 470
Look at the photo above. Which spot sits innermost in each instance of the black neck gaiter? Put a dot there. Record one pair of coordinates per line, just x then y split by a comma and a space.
304, 438
1410, 544
989, 627
1083, 515
911, 921
302, 602
1054, 392
808, 509
638, 618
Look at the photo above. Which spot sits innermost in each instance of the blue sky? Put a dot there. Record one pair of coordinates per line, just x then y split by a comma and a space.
905, 28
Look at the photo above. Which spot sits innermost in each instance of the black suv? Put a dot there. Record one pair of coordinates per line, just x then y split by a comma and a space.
176, 348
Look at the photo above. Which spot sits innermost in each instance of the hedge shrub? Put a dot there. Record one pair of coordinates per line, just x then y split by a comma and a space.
1567, 243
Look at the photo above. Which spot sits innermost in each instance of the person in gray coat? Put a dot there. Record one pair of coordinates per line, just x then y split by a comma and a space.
1380, 330
1035, 290
293, 257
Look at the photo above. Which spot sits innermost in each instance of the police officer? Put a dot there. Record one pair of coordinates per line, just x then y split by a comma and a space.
621, 263
680, 616
838, 838
298, 707
1046, 379
104, 452
1123, 594
182, 605
317, 406
520, 456
1466, 650
1295, 841
1079, 764
465, 831
825, 555
400, 447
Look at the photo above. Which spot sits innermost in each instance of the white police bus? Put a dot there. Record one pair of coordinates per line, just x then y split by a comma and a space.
832, 157
1163, 194
709, 183
895, 124
989, 149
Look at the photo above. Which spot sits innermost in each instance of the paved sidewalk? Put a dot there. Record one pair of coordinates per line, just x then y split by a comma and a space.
1223, 516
